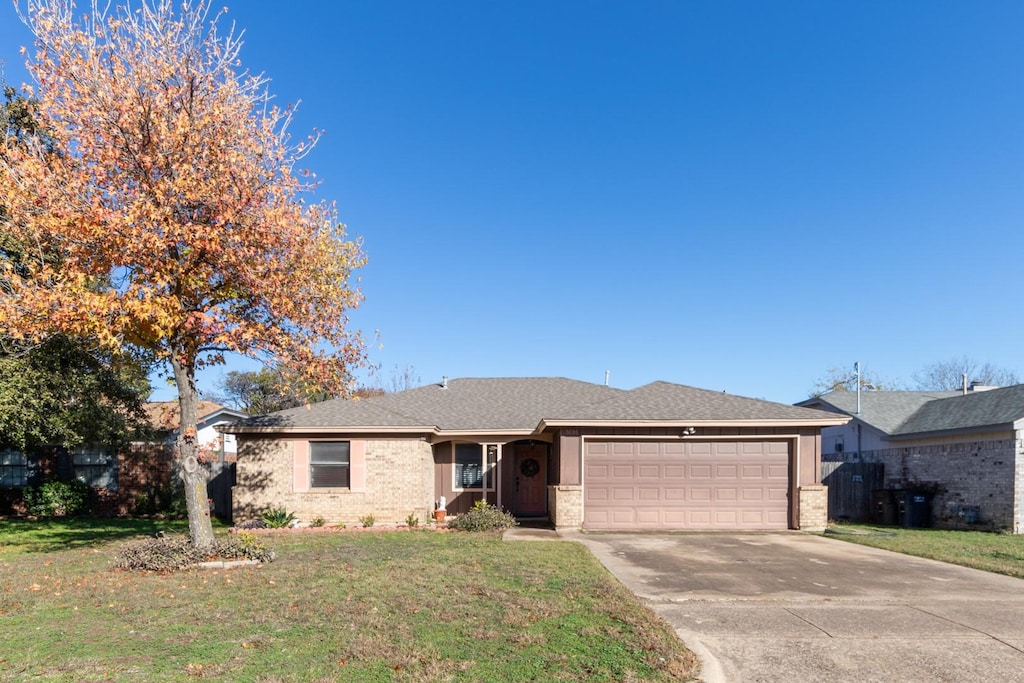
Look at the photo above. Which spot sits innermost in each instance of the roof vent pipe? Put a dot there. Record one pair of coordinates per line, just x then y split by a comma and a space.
444, 381
607, 375
964, 376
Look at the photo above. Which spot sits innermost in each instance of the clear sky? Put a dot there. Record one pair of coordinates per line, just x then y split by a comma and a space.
730, 195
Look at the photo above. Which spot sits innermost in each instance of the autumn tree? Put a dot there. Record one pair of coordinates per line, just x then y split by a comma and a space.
59, 389
171, 173
949, 375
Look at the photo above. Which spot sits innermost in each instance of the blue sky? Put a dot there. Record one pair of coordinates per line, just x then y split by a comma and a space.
731, 195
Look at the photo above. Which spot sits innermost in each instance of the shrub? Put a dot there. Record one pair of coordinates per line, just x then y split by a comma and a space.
318, 521
412, 520
168, 499
278, 518
483, 517
56, 498
367, 520
172, 553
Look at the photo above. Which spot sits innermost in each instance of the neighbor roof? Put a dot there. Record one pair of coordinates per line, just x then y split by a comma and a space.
166, 415
902, 414
883, 410
528, 404
995, 407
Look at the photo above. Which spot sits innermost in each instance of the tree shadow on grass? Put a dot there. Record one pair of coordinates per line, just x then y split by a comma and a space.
18, 536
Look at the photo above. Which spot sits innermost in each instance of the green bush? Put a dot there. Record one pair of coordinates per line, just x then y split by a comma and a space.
172, 553
168, 500
278, 518
367, 520
56, 498
412, 520
317, 522
483, 517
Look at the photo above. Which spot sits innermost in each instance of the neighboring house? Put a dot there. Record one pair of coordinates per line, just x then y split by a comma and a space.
961, 453
662, 456
133, 477
165, 416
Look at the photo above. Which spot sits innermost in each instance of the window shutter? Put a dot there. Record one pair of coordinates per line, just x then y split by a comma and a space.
300, 467
357, 465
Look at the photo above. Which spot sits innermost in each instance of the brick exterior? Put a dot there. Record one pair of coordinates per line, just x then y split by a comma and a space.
986, 474
399, 481
813, 507
565, 505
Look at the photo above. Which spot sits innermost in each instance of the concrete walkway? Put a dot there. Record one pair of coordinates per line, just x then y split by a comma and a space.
795, 607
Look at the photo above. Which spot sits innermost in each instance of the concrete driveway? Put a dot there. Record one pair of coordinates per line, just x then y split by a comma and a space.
794, 607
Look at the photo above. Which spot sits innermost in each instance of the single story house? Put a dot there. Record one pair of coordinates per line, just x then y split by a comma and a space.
165, 417
662, 456
962, 451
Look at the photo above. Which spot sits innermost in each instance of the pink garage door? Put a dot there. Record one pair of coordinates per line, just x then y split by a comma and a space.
692, 485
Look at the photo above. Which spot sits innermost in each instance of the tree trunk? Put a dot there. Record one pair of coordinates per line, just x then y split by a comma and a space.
192, 472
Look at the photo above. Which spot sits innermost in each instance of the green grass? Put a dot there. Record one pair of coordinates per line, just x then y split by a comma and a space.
382, 606
993, 552
18, 536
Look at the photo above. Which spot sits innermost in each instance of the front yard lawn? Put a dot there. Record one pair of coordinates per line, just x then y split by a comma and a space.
993, 552
381, 606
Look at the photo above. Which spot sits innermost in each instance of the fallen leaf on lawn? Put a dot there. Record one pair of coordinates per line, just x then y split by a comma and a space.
35, 587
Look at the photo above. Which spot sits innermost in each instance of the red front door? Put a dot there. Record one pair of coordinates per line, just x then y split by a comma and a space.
531, 479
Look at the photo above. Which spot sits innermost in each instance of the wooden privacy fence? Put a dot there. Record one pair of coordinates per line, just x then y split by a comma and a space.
851, 487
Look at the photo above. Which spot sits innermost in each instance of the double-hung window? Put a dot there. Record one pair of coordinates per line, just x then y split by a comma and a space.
474, 466
13, 468
330, 464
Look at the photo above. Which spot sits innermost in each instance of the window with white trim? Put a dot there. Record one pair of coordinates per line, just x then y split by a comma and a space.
13, 468
474, 466
330, 464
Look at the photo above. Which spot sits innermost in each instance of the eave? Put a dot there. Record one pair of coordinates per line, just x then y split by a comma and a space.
838, 420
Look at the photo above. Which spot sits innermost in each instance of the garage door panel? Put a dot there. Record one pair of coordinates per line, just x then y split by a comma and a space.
648, 493
673, 493
648, 471
700, 471
726, 471
686, 485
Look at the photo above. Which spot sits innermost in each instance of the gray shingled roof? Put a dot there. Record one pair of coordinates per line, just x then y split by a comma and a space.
500, 404
667, 401
981, 409
906, 413
883, 410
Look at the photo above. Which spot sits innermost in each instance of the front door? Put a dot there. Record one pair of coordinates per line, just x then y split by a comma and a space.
531, 479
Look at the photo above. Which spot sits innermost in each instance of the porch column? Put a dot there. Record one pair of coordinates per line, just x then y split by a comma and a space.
565, 505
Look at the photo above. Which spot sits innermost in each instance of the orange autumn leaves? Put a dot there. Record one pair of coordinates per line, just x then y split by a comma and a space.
168, 187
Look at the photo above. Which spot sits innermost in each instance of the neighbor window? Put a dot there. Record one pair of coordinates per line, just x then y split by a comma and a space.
329, 464
13, 468
95, 466
474, 466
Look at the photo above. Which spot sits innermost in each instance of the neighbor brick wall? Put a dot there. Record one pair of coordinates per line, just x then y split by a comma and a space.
398, 482
983, 472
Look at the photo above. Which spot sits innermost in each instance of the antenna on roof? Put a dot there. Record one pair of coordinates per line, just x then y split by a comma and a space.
856, 368
607, 375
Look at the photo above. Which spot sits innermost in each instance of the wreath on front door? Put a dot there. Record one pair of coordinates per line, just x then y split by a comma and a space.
529, 468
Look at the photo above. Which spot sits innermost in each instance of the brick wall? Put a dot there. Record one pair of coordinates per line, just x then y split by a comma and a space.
565, 505
399, 482
986, 473
813, 507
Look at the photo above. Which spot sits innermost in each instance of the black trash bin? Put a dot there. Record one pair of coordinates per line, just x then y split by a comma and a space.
917, 509
885, 507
